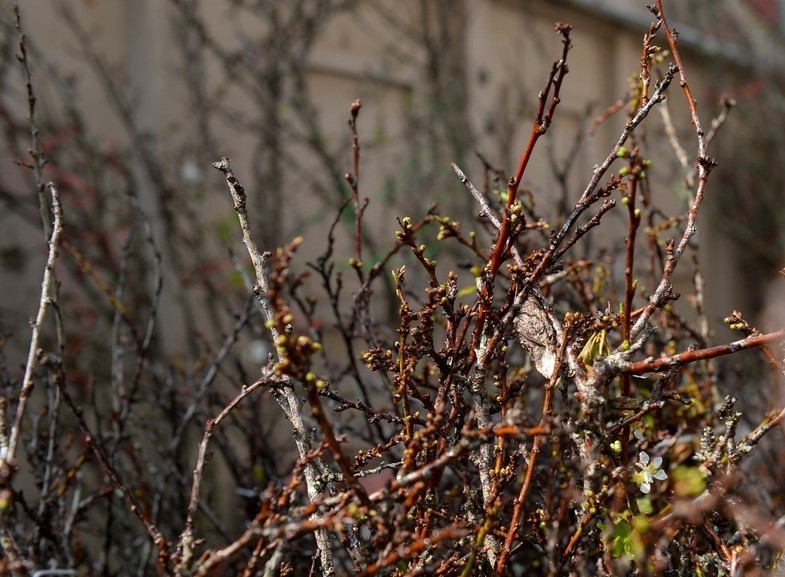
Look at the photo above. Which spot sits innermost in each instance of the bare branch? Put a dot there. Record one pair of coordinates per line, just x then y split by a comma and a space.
34, 354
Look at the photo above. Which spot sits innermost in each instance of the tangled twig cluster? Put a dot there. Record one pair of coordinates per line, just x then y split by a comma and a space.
525, 413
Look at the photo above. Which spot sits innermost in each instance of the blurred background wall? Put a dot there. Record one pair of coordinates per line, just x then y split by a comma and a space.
141, 97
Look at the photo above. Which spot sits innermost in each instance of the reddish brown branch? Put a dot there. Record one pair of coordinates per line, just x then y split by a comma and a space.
520, 500
541, 124
665, 363
354, 182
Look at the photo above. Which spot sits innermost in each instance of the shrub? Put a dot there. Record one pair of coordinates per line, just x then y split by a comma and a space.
526, 413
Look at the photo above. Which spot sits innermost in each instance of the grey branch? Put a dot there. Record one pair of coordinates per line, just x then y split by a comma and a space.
288, 400
8, 452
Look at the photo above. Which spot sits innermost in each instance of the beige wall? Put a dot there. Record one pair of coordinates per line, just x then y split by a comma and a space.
509, 47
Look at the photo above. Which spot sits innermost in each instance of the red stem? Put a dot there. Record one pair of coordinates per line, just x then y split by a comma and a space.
665, 363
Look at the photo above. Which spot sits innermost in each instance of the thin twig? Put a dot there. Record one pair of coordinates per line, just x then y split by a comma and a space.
704, 164
727, 104
353, 179
128, 494
187, 537
665, 363
34, 353
485, 209
678, 149
289, 402
39, 160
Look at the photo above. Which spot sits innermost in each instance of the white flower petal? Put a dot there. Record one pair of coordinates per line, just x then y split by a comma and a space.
656, 462
643, 457
660, 475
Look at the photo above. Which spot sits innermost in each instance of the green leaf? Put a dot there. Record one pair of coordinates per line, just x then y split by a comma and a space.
688, 482
645, 505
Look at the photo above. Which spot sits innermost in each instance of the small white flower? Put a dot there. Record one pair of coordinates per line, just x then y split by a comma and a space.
650, 470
